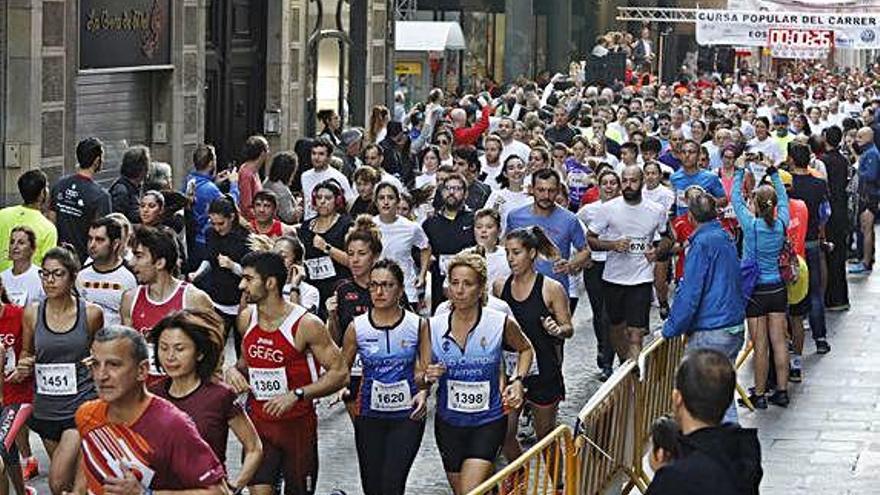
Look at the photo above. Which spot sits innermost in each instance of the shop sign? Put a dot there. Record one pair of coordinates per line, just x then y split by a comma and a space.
120, 34
408, 68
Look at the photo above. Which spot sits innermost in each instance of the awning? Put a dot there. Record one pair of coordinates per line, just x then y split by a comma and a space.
426, 36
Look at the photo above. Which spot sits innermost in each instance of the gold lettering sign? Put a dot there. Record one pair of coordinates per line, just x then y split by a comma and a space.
129, 20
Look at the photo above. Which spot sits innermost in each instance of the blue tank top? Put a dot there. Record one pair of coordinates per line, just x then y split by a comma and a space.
469, 392
388, 355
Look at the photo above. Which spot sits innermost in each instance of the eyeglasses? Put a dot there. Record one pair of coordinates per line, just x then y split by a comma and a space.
442, 142
385, 286
54, 274
453, 188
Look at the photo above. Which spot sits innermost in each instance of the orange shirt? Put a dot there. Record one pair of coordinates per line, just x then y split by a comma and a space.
797, 227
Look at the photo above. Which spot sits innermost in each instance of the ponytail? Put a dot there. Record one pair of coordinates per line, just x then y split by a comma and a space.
535, 238
765, 201
364, 229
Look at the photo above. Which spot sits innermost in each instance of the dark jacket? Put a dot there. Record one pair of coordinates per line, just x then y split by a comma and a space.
125, 196
721, 460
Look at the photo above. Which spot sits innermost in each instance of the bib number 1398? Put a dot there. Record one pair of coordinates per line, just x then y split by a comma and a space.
467, 397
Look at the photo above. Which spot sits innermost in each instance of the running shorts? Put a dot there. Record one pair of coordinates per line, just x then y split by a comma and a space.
290, 449
458, 443
766, 299
630, 304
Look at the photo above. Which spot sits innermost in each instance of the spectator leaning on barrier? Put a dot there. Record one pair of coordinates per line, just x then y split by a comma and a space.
703, 308
713, 458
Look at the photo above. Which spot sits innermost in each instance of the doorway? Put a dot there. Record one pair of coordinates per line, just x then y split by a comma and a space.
235, 75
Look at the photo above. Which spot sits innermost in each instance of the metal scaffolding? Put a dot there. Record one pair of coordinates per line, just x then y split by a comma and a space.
656, 14
405, 10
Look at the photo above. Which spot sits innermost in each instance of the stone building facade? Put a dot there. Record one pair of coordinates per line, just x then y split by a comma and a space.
221, 69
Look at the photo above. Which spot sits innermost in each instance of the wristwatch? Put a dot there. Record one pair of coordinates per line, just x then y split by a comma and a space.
299, 393
328, 248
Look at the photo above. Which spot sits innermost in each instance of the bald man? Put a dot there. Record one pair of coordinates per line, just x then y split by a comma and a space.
869, 175
468, 136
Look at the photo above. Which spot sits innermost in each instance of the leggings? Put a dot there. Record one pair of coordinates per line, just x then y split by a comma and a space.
386, 451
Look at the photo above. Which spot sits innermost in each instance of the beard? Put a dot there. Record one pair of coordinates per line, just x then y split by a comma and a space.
632, 196
453, 203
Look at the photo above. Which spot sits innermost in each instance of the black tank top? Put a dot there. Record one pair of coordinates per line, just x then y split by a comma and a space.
528, 313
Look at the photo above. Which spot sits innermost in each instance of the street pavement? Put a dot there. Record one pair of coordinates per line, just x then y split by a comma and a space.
826, 441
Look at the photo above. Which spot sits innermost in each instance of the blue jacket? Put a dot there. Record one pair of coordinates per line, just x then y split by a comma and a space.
760, 241
205, 192
709, 295
869, 170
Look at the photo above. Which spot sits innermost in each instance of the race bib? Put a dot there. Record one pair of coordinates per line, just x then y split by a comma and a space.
511, 360
10, 361
56, 379
320, 268
728, 212
268, 383
759, 171
680, 199
357, 367
638, 245
467, 397
390, 397
444, 262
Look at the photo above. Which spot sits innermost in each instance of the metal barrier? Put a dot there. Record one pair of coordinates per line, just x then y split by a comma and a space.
544, 469
657, 364
605, 435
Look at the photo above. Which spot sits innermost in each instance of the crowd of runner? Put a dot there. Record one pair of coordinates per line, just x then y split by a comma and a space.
438, 254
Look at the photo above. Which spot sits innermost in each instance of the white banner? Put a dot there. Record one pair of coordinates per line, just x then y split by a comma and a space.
752, 28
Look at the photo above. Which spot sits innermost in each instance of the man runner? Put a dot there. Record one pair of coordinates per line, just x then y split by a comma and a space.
160, 292
133, 441
105, 280
281, 342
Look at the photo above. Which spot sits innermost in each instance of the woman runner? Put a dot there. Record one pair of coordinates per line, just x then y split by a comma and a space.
395, 348
473, 393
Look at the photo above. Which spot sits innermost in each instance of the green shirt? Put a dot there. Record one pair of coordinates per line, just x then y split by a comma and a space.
13, 216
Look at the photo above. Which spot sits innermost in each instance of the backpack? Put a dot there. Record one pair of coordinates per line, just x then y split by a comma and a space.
789, 266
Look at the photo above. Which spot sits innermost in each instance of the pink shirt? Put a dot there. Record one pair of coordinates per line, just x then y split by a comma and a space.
248, 185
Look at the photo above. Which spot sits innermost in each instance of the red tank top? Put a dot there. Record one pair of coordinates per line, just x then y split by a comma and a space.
10, 336
274, 230
146, 313
276, 367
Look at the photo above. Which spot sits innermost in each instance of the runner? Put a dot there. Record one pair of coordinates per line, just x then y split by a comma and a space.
609, 188
16, 395
323, 236
352, 297
126, 445
631, 224
487, 229
55, 340
322, 172
540, 306
393, 396
512, 193
690, 174
282, 349
400, 236
160, 293
190, 350
295, 289
659, 193
22, 279
473, 394
104, 280
265, 219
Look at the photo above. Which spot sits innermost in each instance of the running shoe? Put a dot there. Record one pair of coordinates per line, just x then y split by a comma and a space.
822, 347
759, 401
30, 468
30, 490
664, 310
779, 398
795, 375
859, 269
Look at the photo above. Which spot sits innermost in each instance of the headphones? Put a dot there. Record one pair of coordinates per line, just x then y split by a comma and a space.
332, 186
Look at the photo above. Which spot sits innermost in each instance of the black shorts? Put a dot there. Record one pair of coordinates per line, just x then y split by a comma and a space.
766, 299
51, 430
458, 443
630, 304
868, 203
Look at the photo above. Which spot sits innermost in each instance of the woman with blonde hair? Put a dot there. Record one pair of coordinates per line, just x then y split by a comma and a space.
473, 393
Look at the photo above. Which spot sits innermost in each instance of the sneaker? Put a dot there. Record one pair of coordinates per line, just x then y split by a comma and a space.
758, 401
30, 490
779, 398
859, 269
822, 347
794, 375
605, 374
30, 468
664, 310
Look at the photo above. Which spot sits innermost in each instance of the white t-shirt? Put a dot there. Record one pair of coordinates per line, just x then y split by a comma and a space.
768, 146
105, 289
424, 179
398, 239
640, 224
517, 148
311, 178
25, 288
504, 201
496, 265
586, 215
492, 173
660, 194
309, 297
